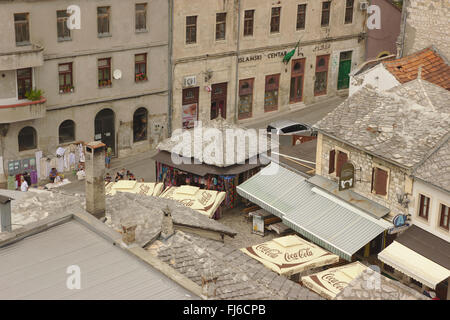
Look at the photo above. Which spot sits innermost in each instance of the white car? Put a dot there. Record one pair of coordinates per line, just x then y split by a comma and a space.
288, 127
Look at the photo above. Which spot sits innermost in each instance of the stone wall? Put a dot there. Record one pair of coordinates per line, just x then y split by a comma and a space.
398, 178
427, 23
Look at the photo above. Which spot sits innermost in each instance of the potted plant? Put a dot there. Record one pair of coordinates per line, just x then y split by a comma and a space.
34, 95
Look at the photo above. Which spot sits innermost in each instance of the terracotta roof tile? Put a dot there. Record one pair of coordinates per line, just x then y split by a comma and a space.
434, 68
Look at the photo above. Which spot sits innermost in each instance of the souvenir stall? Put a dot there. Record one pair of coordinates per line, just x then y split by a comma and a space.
210, 173
204, 176
66, 159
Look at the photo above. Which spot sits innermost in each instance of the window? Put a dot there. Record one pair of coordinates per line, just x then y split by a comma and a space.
275, 20
67, 131
22, 28
65, 77
248, 22
191, 29
140, 67
301, 16
297, 72
221, 23
24, 82
325, 21
424, 206
245, 98
444, 221
140, 125
103, 21
104, 72
141, 17
321, 81
27, 139
349, 11
271, 92
61, 24
379, 181
294, 128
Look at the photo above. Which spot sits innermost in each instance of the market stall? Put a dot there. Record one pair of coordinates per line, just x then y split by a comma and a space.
290, 255
205, 170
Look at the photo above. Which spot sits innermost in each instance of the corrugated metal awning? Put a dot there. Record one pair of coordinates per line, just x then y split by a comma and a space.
320, 217
413, 264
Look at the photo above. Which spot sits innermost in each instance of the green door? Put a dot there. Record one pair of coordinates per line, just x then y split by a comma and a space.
343, 77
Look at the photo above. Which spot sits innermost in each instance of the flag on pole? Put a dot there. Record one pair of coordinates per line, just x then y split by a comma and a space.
290, 54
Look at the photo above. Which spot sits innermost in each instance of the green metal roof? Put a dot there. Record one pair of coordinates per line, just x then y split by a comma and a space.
324, 219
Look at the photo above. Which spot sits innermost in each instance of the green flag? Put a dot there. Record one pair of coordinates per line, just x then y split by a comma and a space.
290, 54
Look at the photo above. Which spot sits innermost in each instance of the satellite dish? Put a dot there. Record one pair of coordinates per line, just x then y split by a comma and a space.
117, 74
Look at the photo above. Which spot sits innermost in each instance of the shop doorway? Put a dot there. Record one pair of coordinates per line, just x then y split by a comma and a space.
219, 100
345, 64
104, 128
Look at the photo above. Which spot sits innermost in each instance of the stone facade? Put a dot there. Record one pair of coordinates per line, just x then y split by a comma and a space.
426, 24
87, 99
239, 57
398, 181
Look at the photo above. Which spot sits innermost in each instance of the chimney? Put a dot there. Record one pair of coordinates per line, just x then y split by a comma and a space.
128, 232
167, 224
5, 214
209, 285
95, 185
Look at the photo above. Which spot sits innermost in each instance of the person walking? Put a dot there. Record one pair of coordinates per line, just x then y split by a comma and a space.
108, 157
23, 184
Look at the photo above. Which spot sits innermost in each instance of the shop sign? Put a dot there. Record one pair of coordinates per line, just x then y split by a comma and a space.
189, 115
255, 57
401, 223
347, 176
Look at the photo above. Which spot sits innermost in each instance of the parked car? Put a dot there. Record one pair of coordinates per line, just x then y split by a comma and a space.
288, 127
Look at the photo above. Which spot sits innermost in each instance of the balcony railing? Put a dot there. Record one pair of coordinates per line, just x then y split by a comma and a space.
13, 110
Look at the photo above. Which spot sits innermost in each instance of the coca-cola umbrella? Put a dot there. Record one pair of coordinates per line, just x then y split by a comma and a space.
331, 282
290, 255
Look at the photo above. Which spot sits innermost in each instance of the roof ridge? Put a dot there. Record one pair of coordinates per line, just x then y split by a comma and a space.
436, 148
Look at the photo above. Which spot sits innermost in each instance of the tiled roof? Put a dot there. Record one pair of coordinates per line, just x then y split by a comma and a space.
390, 126
436, 169
239, 276
434, 68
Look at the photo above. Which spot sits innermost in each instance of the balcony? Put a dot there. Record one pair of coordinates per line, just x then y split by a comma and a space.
22, 57
14, 110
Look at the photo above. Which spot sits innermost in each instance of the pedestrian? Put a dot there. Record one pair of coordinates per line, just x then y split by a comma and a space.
108, 156
23, 184
108, 177
53, 174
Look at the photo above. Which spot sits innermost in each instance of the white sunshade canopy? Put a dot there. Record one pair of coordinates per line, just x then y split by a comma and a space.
413, 264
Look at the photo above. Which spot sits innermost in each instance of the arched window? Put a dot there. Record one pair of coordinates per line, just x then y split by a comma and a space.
67, 131
27, 139
140, 125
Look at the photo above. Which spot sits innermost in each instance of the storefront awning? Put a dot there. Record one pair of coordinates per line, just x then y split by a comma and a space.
413, 264
326, 220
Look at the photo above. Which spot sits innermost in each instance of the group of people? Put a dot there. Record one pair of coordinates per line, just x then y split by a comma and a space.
123, 174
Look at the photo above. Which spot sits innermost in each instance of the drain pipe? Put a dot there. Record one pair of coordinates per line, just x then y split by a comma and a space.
236, 91
170, 71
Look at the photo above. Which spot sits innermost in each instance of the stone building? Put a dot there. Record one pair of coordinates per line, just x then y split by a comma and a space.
105, 81
385, 135
424, 23
228, 56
